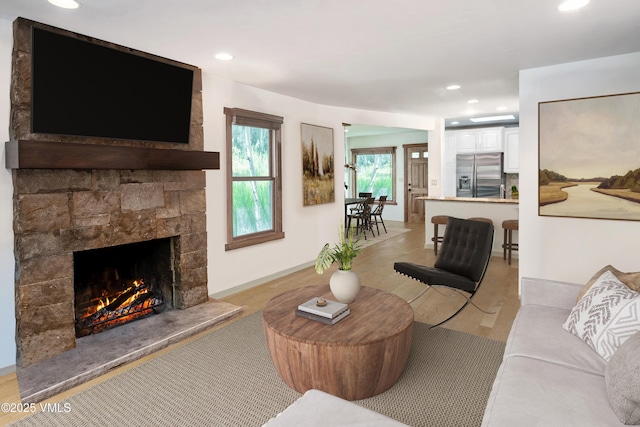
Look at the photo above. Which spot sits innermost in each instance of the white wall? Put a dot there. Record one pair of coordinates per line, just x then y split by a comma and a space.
306, 228
7, 264
394, 212
567, 248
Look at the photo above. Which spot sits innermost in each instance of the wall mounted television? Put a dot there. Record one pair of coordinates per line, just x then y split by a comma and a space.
86, 89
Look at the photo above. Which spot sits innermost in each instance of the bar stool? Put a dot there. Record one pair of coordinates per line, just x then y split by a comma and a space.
509, 225
437, 220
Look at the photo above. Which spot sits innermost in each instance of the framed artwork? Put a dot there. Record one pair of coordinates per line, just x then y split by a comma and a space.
589, 157
317, 164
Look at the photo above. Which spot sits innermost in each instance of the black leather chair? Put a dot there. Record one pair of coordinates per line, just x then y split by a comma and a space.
461, 264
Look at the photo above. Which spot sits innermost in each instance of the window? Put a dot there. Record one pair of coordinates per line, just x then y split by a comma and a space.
375, 171
254, 185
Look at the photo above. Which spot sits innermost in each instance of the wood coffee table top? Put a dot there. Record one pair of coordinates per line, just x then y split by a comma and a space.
360, 356
375, 315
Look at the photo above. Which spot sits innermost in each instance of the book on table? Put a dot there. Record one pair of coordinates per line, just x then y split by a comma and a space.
330, 310
322, 319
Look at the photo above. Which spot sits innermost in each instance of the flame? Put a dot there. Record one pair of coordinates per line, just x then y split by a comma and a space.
105, 300
141, 309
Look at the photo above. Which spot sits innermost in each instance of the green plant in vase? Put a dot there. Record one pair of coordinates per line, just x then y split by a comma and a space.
514, 192
342, 253
344, 283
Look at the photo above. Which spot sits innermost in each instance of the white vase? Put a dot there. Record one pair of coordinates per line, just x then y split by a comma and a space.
344, 285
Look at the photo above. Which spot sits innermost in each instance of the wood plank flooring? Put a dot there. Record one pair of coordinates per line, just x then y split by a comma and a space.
499, 293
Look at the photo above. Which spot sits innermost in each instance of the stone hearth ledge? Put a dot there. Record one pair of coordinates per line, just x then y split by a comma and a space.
97, 354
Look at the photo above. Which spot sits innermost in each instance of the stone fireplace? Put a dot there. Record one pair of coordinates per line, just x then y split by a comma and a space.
76, 195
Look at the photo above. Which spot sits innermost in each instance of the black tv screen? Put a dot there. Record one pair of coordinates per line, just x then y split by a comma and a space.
86, 89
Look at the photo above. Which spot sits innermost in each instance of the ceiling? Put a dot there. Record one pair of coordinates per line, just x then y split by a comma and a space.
394, 56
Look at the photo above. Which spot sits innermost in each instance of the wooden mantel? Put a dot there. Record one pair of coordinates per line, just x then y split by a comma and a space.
30, 154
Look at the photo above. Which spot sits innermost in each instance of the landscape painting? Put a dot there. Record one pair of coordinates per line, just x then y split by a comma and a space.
589, 151
317, 164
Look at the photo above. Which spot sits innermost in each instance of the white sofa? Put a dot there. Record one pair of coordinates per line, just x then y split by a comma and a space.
319, 409
548, 376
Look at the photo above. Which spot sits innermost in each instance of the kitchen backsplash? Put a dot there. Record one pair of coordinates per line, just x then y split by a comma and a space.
511, 180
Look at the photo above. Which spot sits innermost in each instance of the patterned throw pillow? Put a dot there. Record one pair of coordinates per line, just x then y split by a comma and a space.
632, 280
606, 316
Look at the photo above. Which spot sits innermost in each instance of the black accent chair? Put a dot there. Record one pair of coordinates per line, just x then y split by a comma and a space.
461, 264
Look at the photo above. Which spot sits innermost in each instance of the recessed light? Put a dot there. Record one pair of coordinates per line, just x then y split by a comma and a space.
453, 87
223, 56
492, 118
501, 109
472, 101
65, 4
569, 5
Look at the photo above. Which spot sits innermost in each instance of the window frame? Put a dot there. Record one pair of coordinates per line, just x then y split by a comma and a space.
237, 116
392, 200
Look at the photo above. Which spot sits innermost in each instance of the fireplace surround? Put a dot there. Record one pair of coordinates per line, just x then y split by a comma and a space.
65, 202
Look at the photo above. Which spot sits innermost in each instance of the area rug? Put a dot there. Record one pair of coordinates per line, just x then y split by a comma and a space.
226, 378
394, 228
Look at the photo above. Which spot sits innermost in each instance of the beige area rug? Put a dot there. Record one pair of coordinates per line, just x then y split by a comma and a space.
226, 378
394, 228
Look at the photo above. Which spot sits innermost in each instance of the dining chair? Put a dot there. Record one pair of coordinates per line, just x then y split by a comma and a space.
363, 217
361, 195
377, 213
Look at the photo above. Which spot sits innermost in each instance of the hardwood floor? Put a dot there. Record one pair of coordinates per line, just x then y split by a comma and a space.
374, 265
499, 293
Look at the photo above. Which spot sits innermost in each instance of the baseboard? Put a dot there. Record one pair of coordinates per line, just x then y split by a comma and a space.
7, 370
260, 281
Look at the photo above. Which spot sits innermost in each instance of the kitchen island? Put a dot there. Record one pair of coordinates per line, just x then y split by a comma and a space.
496, 210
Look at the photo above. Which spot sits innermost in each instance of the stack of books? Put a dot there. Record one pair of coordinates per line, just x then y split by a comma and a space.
326, 311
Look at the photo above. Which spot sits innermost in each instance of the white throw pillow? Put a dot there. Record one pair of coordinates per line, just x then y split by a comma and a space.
606, 316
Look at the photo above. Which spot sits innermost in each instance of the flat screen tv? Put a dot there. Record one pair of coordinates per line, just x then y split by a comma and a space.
86, 89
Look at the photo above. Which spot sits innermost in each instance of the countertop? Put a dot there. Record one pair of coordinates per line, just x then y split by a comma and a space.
470, 199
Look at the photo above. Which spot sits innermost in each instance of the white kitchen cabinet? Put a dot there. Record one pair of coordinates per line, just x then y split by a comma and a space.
466, 141
511, 137
483, 140
490, 140
449, 165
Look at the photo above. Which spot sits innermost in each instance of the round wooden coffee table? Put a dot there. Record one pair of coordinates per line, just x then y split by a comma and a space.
360, 356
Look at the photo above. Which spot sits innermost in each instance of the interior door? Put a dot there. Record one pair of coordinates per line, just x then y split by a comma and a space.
416, 170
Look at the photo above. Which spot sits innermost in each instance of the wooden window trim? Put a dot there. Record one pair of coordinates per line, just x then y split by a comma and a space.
274, 123
377, 150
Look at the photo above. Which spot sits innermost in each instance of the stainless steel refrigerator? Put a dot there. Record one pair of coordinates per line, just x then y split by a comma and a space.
480, 175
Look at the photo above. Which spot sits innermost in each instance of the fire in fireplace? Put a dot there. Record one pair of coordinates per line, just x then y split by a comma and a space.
119, 284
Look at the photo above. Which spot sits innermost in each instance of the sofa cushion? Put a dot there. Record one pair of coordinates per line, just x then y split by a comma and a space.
537, 333
317, 408
607, 315
530, 392
622, 378
632, 280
